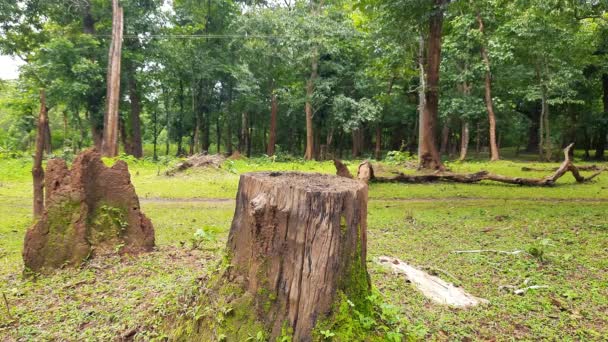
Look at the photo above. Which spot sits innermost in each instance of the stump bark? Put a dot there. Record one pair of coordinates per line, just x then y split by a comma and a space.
297, 242
90, 210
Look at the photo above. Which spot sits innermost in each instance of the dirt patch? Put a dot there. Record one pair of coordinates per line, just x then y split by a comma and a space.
197, 160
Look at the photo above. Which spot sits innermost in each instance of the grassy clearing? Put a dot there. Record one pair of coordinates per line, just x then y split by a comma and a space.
110, 297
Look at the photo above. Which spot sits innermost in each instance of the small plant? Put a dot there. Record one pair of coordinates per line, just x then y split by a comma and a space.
399, 157
327, 334
259, 337
201, 236
538, 250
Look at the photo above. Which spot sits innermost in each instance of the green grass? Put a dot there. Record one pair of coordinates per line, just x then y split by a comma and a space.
420, 224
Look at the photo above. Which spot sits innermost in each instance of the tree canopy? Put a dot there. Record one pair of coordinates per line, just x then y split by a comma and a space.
316, 78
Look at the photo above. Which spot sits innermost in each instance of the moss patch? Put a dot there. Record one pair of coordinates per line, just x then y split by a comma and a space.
107, 224
59, 248
222, 311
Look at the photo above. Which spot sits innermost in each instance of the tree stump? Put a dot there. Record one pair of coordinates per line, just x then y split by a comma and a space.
91, 209
298, 241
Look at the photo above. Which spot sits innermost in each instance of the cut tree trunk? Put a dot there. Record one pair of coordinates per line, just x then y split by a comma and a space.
299, 239
494, 152
272, 135
366, 174
109, 144
37, 170
429, 156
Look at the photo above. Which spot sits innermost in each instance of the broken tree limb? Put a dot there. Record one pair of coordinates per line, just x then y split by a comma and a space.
431, 286
366, 174
522, 290
8, 308
550, 169
341, 169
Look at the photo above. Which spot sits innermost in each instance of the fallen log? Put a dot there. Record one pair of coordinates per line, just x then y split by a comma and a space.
366, 174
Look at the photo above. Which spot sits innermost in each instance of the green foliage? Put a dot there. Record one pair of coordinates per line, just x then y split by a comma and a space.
382, 323
399, 157
202, 236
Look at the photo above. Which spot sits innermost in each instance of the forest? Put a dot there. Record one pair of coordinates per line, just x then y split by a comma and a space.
400, 168
343, 78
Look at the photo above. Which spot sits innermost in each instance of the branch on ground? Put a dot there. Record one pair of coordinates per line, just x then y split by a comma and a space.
523, 289
366, 174
515, 252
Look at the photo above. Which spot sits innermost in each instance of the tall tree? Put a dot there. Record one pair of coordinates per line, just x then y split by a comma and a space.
109, 144
429, 155
494, 153
37, 170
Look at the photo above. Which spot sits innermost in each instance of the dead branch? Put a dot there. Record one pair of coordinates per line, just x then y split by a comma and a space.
523, 289
515, 252
8, 309
433, 287
366, 174
552, 169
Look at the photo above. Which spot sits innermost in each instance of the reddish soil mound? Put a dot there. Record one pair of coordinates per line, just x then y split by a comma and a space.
89, 210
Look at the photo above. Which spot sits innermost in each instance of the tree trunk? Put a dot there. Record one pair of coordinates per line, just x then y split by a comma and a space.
218, 133
534, 129
229, 120
310, 90
357, 142
545, 148
494, 152
179, 124
37, 170
244, 143
48, 143
65, 128
134, 118
464, 140
421, 91
445, 136
478, 140
167, 106
429, 156
378, 150
603, 131
155, 134
301, 240
272, 135
96, 132
109, 144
